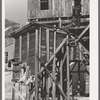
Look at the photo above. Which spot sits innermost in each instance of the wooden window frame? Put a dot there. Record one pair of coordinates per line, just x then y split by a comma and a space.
44, 4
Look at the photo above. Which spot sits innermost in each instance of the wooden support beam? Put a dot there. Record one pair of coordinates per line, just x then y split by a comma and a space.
61, 77
18, 92
85, 49
20, 48
14, 47
27, 87
47, 44
27, 68
64, 59
47, 59
51, 58
80, 36
78, 79
68, 77
80, 53
39, 45
20, 59
53, 69
13, 91
72, 53
54, 80
36, 66
60, 23
31, 25
27, 49
73, 67
39, 54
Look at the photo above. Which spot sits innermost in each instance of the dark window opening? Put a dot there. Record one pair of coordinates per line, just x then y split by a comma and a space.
6, 57
9, 64
44, 4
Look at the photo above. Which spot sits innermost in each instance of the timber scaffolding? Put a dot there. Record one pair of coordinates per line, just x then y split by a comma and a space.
59, 62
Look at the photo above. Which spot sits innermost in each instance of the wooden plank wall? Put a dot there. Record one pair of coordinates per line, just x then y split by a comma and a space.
17, 47
51, 40
85, 8
43, 54
24, 48
59, 39
43, 45
57, 8
68, 8
32, 51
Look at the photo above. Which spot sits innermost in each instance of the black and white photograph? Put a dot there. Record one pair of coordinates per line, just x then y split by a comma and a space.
47, 50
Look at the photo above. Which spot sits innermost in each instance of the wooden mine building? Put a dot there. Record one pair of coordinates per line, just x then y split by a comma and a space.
57, 33
39, 9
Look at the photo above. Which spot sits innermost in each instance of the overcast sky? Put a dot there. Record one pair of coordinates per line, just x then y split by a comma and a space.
16, 10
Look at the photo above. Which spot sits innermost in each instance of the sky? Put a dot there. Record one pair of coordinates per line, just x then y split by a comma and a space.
16, 10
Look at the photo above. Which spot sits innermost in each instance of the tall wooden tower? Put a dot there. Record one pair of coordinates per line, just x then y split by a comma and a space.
53, 44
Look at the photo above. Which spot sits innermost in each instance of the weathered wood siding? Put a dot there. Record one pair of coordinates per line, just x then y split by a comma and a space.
51, 43
85, 9
16, 47
32, 51
43, 45
24, 48
43, 55
57, 8
31, 60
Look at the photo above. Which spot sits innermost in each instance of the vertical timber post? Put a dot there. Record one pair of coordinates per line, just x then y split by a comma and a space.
54, 65
20, 58
80, 48
27, 87
72, 53
20, 48
39, 53
27, 48
80, 58
36, 66
47, 59
14, 47
13, 91
60, 23
39, 45
61, 74
67, 48
27, 68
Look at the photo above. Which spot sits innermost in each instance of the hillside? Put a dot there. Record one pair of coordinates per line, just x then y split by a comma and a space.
10, 27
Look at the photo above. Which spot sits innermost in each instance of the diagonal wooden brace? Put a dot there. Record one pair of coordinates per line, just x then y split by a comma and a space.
54, 80
18, 92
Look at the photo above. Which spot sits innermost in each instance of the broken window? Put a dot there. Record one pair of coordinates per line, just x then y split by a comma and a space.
44, 4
